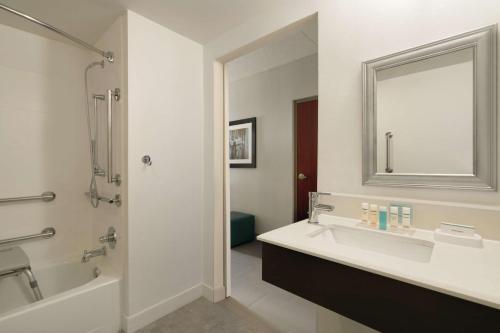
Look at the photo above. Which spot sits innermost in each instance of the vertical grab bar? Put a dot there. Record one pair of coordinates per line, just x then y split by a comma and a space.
98, 171
388, 137
110, 136
112, 94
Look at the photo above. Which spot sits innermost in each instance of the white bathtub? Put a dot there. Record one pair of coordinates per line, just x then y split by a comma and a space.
75, 301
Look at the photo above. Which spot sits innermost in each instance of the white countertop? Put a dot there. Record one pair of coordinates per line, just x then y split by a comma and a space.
465, 272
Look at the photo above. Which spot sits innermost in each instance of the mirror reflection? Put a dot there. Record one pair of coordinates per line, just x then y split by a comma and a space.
425, 116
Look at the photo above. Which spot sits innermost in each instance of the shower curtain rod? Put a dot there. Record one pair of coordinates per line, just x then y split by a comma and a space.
106, 54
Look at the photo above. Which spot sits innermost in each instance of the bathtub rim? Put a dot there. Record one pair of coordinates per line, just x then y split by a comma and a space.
107, 277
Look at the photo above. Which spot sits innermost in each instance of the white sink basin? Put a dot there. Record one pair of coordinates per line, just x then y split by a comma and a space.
384, 242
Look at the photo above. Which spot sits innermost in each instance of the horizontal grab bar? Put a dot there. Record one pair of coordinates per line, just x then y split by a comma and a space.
46, 233
45, 196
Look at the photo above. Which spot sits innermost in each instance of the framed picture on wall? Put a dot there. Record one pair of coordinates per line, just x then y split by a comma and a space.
243, 143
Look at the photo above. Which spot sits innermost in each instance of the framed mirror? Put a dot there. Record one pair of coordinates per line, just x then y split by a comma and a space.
429, 115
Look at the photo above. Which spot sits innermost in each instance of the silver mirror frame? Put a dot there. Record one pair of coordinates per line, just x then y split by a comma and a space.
483, 42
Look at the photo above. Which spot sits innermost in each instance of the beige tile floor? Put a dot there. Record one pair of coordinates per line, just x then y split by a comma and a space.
282, 310
202, 316
254, 307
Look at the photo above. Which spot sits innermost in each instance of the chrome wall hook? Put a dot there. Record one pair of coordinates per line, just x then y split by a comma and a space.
146, 159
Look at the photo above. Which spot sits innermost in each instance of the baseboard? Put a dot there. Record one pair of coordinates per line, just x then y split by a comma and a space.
160, 309
214, 295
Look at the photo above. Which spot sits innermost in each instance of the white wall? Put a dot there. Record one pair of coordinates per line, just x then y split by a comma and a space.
404, 25
44, 145
351, 32
165, 119
267, 191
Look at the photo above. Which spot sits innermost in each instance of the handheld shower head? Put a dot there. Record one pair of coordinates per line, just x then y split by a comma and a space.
93, 193
95, 64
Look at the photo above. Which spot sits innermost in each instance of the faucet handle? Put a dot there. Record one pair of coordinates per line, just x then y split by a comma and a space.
110, 238
315, 206
323, 207
314, 196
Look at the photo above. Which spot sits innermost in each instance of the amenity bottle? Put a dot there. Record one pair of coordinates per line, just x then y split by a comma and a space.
382, 218
394, 217
373, 215
364, 212
406, 217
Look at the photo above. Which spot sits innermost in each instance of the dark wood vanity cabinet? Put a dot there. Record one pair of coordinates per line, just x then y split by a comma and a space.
382, 303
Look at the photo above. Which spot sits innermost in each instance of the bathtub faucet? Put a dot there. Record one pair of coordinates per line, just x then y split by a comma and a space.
87, 254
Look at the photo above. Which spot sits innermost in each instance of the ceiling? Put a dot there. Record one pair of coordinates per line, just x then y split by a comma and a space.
299, 43
199, 20
85, 19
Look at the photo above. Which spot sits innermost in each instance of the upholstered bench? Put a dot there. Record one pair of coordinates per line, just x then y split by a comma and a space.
242, 228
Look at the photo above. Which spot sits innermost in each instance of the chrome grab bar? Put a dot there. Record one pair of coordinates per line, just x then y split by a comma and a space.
106, 54
112, 95
388, 137
46, 233
95, 141
45, 196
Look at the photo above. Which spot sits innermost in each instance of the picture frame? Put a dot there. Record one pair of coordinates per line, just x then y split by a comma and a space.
242, 139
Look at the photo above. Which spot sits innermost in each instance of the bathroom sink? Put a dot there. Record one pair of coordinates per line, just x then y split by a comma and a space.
384, 242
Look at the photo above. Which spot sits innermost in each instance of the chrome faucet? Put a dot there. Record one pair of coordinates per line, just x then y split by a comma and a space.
87, 254
315, 207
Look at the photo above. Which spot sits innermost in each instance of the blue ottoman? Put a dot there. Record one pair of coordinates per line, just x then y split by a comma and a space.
242, 228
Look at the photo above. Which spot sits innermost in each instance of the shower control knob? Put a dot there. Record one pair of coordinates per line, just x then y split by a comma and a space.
146, 159
111, 237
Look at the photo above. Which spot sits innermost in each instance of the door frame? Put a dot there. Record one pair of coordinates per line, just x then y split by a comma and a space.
220, 248
295, 102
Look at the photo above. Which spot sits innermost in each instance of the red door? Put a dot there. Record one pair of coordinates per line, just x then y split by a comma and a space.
306, 155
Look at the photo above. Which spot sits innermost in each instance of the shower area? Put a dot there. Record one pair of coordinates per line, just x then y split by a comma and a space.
63, 182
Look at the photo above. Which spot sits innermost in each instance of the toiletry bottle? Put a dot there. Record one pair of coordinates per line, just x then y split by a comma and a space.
406, 217
394, 217
364, 212
382, 218
373, 215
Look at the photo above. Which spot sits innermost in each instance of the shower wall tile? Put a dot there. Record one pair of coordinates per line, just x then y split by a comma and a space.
43, 144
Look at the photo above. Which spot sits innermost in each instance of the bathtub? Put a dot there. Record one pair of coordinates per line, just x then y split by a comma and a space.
78, 298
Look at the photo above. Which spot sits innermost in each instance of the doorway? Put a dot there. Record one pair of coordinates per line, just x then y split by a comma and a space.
306, 154
270, 135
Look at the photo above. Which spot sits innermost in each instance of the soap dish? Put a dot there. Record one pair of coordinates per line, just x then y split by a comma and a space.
458, 234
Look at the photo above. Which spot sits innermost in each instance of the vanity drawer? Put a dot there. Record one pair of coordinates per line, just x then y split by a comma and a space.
376, 301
